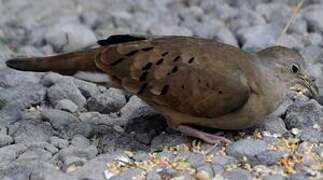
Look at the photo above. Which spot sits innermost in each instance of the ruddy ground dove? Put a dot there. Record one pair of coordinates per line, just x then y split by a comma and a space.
191, 81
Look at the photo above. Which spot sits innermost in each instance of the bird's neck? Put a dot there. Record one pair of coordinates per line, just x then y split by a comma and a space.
269, 87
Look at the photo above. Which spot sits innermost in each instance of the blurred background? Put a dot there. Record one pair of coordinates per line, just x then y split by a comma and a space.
44, 27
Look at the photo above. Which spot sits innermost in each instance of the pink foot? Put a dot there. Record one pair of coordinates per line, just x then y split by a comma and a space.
207, 137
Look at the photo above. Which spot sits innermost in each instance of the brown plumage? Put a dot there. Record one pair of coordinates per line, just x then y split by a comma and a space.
190, 80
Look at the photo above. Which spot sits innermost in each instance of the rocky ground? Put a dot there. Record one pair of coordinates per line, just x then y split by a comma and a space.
58, 127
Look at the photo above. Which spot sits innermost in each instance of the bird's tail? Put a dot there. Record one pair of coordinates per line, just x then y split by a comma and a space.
67, 64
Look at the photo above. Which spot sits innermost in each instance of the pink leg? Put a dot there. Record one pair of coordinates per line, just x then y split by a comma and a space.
207, 137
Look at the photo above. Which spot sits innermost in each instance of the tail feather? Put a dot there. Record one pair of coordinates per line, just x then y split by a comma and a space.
67, 64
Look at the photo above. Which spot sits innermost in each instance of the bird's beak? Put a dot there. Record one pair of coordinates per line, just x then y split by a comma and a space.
307, 87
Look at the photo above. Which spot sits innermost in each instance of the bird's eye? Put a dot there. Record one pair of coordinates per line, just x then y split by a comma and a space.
295, 68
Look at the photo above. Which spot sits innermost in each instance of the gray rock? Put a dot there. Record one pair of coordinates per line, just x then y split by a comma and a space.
152, 175
237, 174
249, 36
170, 173
58, 142
246, 147
10, 153
80, 141
217, 169
291, 41
43, 146
128, 174
224, 160
94, 169
275, 125
194, 159
69, 37
28, 132
274, 12
207, 170
3, 129
110, 101
247, 17
299, 26
275, 177
269, 157
49, 172
66, 105
23, 95
313, 39
65, 90
298, 176
314, 135
15, 171
135, 108
60, 120
313, 54
34, 155
87, 89
167, 155
140, 156
5, 140
304, 114
12, 78
313, 16
167, 140
159, 29
67, 155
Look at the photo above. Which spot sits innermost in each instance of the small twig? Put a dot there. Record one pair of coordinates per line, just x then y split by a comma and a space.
290, 20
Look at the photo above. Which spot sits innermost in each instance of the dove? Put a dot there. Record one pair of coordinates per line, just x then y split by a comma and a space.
191, 81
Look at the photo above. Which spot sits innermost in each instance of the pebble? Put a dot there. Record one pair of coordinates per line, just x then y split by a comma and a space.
65, 90
5, 140
194, 159
58, 142
270, 157
69, 37
275, 125
60, 120
204, 173
224, 160
66, 105
237, 174
152, 175
304, 114
110, 101
275, 177
313, 16
249, 36
128, 174
217, 169
246, 147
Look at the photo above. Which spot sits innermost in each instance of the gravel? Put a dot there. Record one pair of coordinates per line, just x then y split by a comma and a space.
60, 127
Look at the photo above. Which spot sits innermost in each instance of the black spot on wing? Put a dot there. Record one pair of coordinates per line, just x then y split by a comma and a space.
160, 61
165, 54
164, 90
147, 66
132, 53
191, 60
143, 76
142, 88
176, 58
117, 62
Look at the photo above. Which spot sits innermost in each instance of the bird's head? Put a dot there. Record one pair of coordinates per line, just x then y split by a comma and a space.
289, 68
